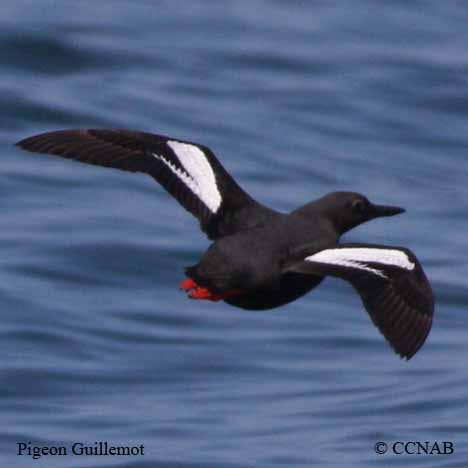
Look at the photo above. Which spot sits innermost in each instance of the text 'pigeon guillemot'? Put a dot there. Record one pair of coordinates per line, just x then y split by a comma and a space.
261, 258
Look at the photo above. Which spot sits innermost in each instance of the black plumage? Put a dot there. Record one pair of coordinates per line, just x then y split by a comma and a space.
261, 258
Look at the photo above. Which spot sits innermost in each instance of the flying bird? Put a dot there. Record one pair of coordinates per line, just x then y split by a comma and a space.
261, 258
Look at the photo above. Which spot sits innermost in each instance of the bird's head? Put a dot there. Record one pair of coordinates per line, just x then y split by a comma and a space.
347, 210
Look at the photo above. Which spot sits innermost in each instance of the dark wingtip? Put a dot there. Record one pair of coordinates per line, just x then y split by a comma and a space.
413, 344
20, 144
31, 143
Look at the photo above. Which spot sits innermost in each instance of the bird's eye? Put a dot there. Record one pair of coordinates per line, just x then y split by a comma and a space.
358, 206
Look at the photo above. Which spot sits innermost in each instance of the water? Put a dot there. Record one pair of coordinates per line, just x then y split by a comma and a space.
297, 99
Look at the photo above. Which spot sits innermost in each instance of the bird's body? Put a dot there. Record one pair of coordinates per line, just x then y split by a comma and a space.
260, 258
254, 261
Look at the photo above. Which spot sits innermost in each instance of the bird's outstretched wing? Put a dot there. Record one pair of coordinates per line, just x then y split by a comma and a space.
392, 286
191, 173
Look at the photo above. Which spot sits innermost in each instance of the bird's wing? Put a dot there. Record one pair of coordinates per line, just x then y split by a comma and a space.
191, 173
392, 286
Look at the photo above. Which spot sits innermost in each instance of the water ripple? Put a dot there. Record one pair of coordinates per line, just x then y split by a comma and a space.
297, 100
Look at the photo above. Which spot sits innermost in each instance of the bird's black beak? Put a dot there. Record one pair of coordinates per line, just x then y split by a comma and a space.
384, 210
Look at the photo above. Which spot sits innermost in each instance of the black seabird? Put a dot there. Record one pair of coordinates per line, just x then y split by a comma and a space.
261, 258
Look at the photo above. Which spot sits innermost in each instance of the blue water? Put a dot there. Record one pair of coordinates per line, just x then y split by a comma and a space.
297, 99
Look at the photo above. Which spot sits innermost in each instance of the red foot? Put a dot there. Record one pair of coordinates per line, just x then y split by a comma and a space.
188, 284
203, 293
197, 292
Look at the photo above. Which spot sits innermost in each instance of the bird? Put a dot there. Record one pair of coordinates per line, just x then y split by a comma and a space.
261, 258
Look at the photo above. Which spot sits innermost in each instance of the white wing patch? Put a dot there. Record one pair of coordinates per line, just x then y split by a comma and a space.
197, 175
359, 257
